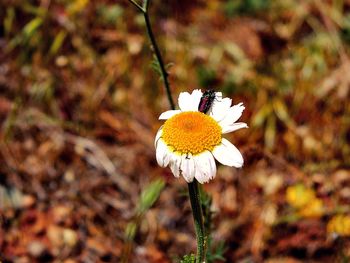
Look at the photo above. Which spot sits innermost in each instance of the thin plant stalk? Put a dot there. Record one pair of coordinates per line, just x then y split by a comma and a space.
193, 187
160, 61
144, 9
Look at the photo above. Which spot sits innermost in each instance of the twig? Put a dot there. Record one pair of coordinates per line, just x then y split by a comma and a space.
164, 73
99, 159
137, 5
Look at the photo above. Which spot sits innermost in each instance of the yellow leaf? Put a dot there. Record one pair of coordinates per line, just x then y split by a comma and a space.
299, 196
312, 209
340, 225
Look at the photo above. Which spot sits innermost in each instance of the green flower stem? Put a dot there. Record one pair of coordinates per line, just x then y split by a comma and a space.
144, 10
193, 189
160, 61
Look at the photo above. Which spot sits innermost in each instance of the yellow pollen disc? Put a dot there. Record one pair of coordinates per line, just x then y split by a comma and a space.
191, 132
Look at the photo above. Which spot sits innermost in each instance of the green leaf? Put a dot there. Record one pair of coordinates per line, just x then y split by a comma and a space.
30, 28
57, 42
260, 117
206, 201
281, 110
236, 7
215, 253
109, 14
8, 20
150, 195
189, 259
11, 119
147, 198
206, 76
270, 131
130, 230
156, 66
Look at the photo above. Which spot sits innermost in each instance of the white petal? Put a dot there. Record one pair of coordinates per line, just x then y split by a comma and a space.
232, 115
162, 155
184, 101
234, 127
175, 164
168, 114
227, 154
205, 167
189, 102
218, 95
158, 135
219, 108
196, 97
187, 167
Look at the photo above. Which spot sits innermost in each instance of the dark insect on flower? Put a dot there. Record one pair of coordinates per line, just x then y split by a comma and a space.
206, 101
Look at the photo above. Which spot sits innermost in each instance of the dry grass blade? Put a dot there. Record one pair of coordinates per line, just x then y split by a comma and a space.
97, 158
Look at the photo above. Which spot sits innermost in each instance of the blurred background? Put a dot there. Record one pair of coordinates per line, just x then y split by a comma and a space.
79, 107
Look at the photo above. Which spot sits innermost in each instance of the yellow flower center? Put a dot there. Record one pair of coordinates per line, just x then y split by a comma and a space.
191, 132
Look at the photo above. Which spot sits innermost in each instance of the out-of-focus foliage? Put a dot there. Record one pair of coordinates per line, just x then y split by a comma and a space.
79, 107
189, 259
233, 7
147, 198
299, 195
305, 201
216, 253
339, 225
149, 195
313, 209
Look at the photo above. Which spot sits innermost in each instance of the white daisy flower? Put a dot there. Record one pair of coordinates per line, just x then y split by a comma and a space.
189, 140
